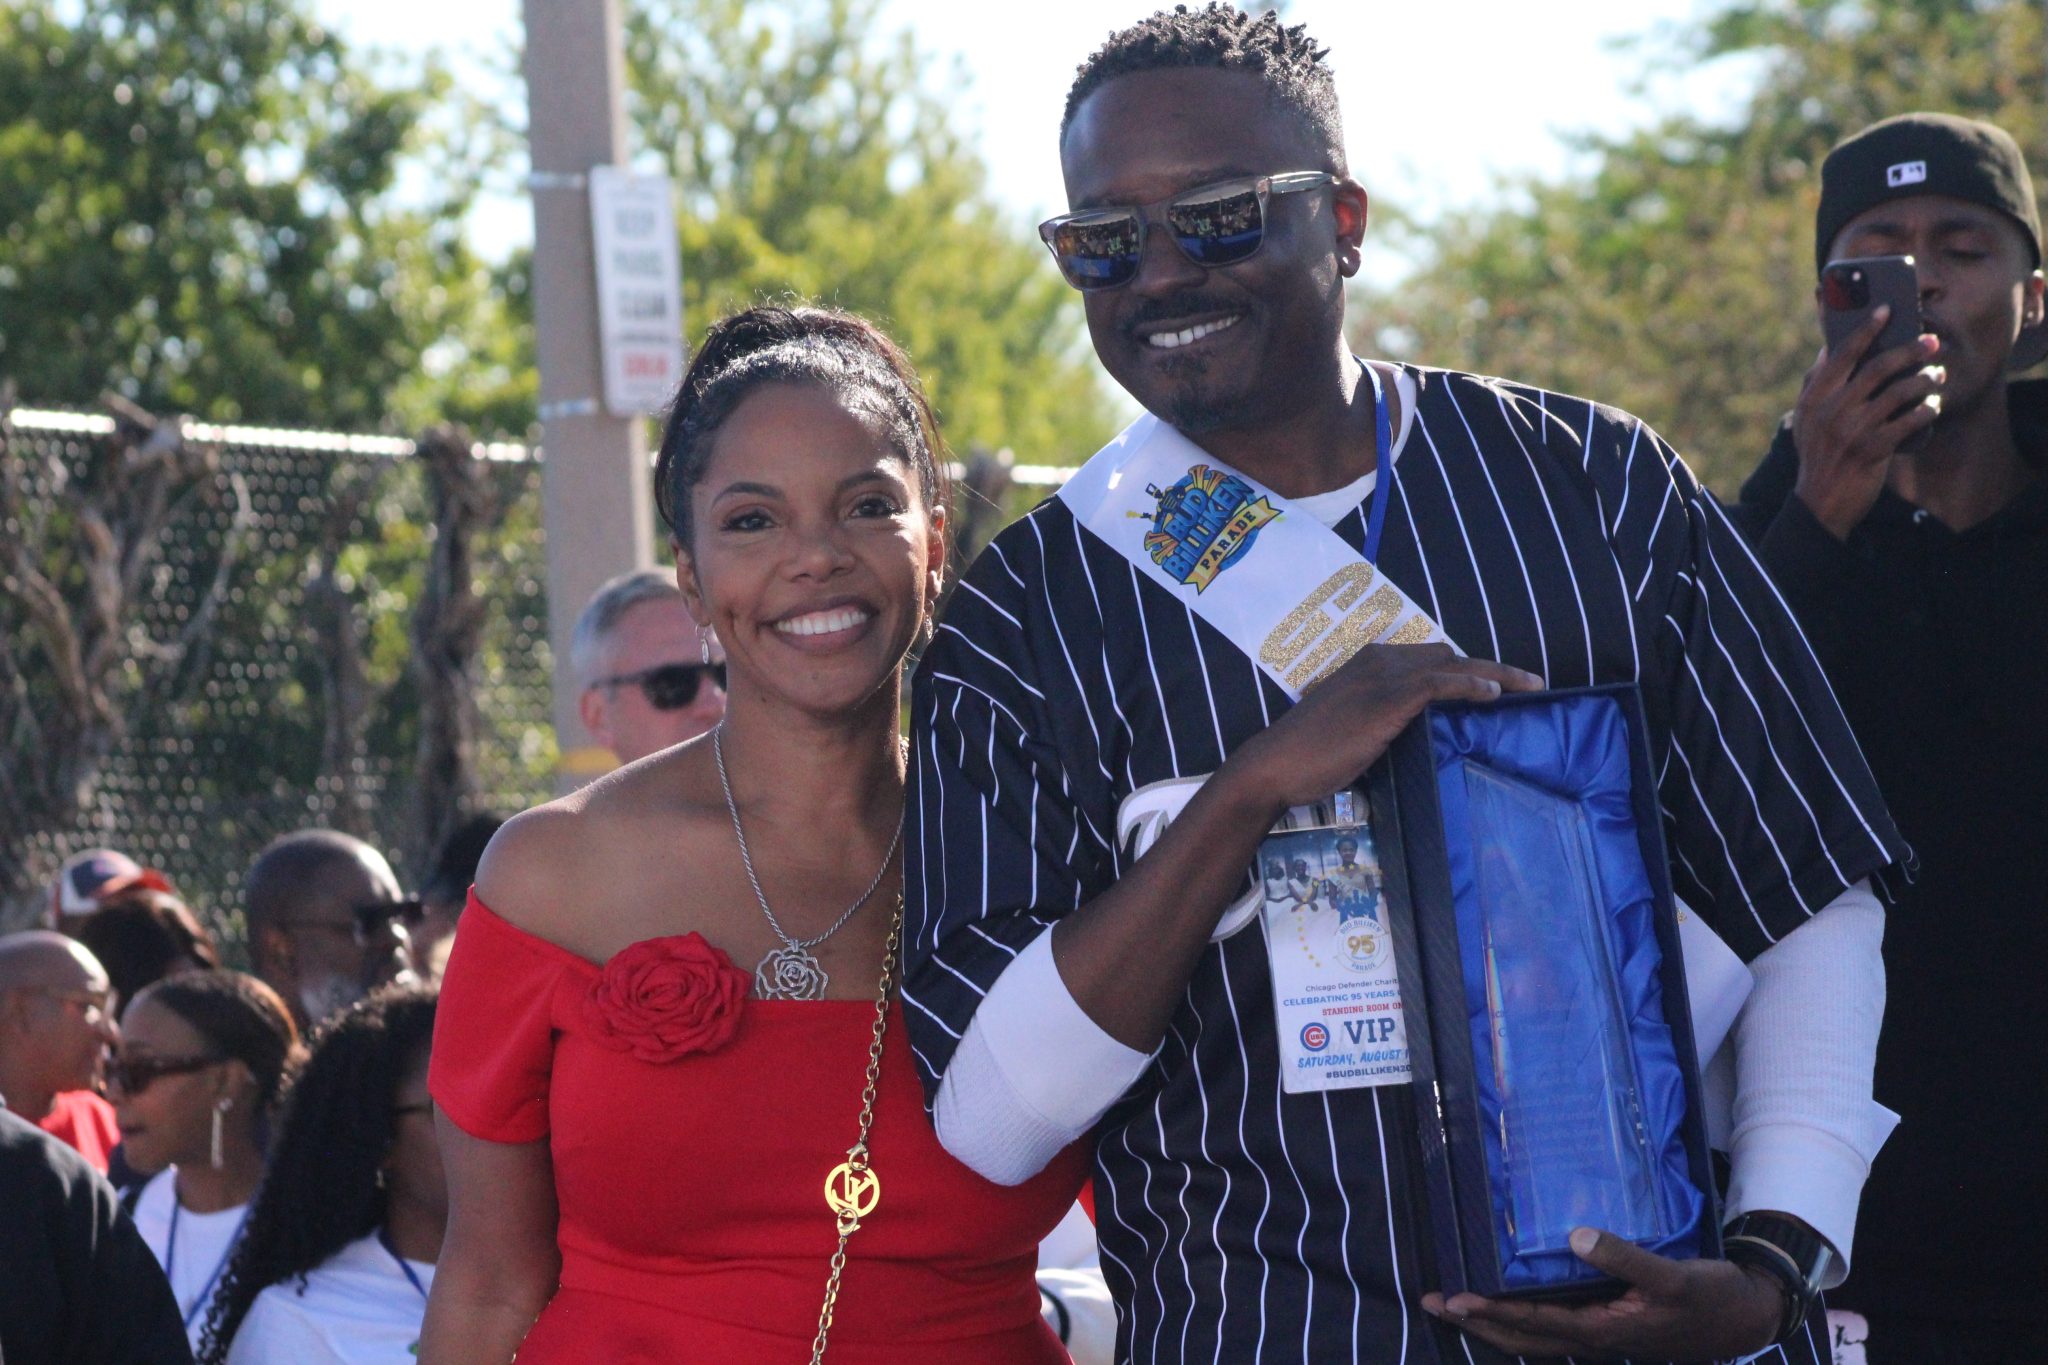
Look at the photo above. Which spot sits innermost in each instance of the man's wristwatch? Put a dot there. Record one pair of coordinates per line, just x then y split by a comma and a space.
1789, 1252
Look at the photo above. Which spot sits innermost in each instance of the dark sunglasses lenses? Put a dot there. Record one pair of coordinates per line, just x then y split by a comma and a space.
1098, 252
371, 918
1212, 227
136, 1074
674, 686
1218, 227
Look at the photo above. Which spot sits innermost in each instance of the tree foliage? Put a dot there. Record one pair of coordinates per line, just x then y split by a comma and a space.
814, 160
198, 210
1675, 278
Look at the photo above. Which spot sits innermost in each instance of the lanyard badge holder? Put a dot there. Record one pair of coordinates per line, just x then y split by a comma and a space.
1336, 993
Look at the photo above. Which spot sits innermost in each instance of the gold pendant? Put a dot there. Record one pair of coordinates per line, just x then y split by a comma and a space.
852, 1193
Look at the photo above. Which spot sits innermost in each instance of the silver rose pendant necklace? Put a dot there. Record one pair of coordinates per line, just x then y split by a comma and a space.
790, 972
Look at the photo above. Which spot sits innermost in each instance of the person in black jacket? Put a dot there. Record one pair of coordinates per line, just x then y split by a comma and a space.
77, 1285
1921, 579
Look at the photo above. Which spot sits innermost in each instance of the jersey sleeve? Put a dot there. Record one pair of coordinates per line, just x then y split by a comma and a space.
1770, 810
999, 846
494, 1034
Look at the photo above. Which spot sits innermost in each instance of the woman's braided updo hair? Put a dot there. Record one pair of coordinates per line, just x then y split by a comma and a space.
846, 355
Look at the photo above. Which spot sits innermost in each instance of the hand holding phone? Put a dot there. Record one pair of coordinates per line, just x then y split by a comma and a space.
1873, 395
1852, 291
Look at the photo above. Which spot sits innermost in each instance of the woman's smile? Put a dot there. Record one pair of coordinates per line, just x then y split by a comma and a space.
826, 626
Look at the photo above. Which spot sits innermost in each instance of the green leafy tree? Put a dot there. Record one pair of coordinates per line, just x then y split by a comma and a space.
197, 210
1675, 278
814, 160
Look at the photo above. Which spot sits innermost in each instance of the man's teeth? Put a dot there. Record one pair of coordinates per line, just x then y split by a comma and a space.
823, 622
1166, 341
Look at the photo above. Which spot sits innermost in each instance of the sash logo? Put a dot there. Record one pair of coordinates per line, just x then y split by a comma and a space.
1204, 523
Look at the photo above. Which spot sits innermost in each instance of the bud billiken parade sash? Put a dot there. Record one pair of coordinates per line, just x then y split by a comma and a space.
1237, 554
1206, 520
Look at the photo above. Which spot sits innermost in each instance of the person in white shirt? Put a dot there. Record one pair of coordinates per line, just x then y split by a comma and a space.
202, 1058
339, 1255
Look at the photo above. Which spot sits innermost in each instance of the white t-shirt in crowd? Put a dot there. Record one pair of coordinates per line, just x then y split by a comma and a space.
196, 1263
355, 1308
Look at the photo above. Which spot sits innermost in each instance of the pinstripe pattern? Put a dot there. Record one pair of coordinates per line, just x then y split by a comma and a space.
1239, 1222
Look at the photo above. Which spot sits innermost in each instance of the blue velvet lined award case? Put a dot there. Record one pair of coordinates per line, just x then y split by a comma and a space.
1556, 1079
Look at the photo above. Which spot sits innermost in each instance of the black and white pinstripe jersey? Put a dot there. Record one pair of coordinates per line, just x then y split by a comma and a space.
1239, 1222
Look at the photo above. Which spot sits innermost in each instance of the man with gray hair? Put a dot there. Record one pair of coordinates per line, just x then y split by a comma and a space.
650, 677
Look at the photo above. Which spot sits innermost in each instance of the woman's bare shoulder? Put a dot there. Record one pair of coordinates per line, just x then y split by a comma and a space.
550, 868
532, 862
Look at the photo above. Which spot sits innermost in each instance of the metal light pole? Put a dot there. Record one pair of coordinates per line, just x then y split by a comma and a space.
598, 507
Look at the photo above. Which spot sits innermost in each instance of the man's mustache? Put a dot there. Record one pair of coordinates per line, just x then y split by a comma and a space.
1192, 304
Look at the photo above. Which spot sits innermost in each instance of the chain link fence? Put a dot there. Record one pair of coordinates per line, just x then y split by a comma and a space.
291, 570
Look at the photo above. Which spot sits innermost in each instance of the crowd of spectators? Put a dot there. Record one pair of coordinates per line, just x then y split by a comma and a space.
186, 1178
243, 1164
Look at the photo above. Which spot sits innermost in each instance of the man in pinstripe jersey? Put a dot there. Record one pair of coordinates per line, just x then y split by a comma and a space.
1066, 984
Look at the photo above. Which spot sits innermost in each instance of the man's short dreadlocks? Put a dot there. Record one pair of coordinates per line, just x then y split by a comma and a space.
1226, 38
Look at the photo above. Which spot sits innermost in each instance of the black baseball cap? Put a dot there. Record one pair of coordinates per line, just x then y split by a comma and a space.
1917, 154
1927, 153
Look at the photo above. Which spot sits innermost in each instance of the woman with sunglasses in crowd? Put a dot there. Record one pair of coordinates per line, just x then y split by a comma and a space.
340, 1251
203, 1055
720, 1162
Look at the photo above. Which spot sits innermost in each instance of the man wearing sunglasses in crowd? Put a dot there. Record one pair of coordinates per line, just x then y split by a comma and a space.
56, 1022
327, 923
651, 678
1230, 611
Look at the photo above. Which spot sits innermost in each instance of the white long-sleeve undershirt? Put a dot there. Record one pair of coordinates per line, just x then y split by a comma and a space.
1034, 1072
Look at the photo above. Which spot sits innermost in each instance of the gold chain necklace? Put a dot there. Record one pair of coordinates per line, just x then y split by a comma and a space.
853, 1190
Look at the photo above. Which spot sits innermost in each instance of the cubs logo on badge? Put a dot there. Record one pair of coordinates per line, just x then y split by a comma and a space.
1204, 523
1315, 1037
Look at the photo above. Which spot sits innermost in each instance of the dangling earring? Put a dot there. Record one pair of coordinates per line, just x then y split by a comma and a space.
704, 645
219, 1154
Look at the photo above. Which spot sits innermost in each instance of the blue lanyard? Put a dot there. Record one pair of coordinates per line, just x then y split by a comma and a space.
384, 1240
1383, 487
171, 1256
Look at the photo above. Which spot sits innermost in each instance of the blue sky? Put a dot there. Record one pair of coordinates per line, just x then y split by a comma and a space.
1441, 99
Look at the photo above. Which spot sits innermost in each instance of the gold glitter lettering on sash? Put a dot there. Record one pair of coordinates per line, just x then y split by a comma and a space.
1416, 631
1301, 627
1352, 634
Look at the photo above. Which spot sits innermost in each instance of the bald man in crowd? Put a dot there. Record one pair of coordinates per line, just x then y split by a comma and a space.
327, 923
56, 1020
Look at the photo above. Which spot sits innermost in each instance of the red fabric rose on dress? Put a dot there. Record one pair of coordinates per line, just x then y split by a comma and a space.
663, 998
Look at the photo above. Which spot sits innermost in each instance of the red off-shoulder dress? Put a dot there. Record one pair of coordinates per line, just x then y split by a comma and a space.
692, 1129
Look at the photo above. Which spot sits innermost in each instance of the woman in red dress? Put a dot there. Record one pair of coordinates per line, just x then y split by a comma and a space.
641, 1138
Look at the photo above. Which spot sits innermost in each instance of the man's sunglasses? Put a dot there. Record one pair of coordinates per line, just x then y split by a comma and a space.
136, 1074
366, 921
1213, 225
668, 687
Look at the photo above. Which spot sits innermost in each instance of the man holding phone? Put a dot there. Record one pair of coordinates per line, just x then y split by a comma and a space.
1904, 514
